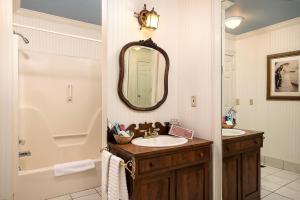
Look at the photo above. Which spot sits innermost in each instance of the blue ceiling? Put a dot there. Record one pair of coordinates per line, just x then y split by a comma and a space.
262, 13
81, 10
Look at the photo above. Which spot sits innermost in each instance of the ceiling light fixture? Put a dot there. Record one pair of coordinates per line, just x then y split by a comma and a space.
233, 22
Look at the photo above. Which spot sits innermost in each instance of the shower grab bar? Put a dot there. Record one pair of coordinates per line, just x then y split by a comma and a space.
70, 135
56, 32
129, 165
70, 93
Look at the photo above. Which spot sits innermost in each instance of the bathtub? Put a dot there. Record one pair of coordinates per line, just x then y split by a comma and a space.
59, 120
47, 185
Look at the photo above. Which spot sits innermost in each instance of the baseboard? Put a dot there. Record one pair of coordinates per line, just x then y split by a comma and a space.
280, 164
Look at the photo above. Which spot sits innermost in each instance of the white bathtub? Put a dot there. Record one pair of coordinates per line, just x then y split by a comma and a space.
47, 185
59, 118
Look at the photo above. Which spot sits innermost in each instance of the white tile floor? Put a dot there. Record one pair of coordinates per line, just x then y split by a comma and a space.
91, 194
277, 184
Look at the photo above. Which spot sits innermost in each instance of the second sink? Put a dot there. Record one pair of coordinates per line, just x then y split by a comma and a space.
232, 132
160, 141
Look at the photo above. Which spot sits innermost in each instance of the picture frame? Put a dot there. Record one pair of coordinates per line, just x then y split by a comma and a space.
283, 78
178, 131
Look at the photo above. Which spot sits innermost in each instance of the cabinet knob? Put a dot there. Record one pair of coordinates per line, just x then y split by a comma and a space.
255, 142
201, 155
151, 164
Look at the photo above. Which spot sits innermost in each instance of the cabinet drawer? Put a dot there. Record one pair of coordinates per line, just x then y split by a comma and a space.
231, 148
173, 160
251, 143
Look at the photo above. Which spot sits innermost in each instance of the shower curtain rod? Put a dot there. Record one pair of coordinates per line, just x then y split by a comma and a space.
55, 32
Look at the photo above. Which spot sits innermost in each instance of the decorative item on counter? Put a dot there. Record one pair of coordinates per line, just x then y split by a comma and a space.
229, 121
181, 132
120, 134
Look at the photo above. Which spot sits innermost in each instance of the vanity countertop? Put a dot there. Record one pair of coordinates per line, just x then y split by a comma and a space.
249, 134
138, 151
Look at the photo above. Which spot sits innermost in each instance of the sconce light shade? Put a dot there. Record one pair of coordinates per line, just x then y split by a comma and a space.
148, 19
233, 22
152, 20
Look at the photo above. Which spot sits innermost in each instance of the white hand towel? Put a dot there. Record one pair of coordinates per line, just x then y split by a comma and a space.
117, 186
105, 161
73, 167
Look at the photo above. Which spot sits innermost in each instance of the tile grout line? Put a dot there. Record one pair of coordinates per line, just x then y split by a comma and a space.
274, 192
284, 186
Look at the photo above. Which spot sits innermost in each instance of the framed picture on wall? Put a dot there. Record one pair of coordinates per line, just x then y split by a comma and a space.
283, 76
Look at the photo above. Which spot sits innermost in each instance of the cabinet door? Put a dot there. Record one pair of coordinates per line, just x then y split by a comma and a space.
231, 182
251, 175
192, 183
158, 187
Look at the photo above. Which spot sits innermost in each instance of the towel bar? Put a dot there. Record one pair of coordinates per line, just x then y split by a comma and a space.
129, 165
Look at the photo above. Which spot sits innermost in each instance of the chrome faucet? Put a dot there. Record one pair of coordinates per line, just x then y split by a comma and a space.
24, 154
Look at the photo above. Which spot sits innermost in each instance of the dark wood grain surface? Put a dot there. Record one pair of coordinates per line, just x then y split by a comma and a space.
241, 166
139, 151
181, 172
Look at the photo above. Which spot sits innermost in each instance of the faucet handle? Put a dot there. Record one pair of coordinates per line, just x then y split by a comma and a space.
155, 131
146, 134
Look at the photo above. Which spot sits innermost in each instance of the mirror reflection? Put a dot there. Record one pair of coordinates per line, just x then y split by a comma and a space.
261, 96
144, 72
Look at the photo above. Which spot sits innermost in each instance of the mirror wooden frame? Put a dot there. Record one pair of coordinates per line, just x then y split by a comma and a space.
146, 43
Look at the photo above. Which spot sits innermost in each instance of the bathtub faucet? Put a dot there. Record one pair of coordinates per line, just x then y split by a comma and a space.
24, 154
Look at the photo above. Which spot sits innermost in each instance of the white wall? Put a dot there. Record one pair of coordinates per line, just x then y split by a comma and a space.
190, 60
185, 33
124, 28
54, 43
280, 120
194, 64
6, 100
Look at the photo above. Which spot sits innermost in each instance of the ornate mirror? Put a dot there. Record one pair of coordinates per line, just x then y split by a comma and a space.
143, 79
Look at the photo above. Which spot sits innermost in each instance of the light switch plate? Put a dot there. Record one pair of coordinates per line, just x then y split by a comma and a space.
194, 101
237, 102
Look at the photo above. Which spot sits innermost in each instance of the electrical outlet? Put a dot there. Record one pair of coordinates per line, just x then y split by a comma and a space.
251, 102
194, 101
237, 102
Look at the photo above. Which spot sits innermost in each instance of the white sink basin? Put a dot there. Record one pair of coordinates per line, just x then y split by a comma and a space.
160, 141
232, 132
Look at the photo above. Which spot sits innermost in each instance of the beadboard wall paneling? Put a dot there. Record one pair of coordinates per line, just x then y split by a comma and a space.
124, 28
194, 63
280, 120
185, 33
55, 43
47, 21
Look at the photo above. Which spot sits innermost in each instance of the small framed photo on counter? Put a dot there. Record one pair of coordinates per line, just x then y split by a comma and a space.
181, 132
283, 76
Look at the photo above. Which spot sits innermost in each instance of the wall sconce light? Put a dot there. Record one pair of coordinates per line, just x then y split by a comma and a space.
148, 19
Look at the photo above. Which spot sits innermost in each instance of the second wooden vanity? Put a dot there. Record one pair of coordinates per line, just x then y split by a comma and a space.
168, 173
241, 166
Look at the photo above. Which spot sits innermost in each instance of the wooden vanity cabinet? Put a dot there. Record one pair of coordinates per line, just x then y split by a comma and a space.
173, 173
241, 166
